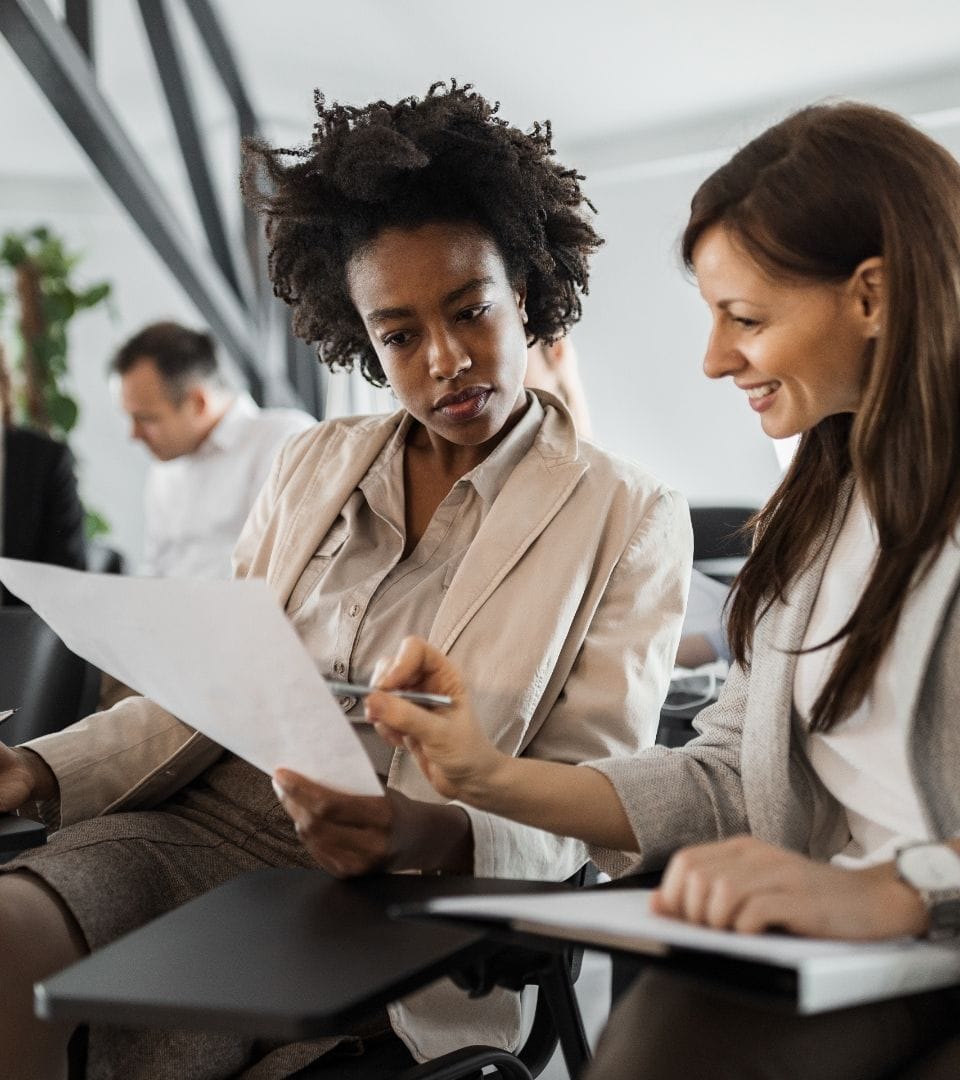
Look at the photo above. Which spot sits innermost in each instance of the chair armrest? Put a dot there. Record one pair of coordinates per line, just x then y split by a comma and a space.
19, 833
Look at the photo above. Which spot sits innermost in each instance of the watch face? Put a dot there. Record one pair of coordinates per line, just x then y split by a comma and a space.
930, 867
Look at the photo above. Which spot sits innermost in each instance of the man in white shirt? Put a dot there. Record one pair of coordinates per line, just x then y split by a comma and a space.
213, 446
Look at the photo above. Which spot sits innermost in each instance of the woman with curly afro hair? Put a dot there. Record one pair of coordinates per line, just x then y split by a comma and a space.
430, 243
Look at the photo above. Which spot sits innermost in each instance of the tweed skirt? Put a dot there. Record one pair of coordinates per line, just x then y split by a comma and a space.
117, 872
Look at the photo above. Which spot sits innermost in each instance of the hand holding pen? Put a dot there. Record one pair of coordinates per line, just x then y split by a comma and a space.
428, 701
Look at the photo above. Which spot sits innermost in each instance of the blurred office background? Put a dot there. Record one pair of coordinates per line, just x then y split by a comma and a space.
645, 99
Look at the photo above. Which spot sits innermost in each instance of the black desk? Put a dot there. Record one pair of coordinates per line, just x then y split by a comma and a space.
17, 834
286, 954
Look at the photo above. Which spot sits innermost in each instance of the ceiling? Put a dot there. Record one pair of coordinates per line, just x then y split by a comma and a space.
606, 73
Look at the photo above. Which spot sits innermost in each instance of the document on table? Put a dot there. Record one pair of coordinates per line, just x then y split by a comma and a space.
220, 655
818, 973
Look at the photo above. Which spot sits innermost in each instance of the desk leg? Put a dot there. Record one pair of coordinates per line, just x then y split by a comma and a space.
556, 983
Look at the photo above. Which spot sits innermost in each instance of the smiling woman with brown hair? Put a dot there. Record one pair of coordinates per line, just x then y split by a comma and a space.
429, 243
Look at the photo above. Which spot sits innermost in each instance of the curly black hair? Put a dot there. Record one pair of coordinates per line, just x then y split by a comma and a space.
445, 157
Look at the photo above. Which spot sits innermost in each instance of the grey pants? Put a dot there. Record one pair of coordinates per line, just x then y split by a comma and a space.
117, 872
668, 1027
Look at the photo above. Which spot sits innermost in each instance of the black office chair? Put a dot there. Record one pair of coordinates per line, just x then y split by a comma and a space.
720, 544
556, 1020
40, 677
49, 686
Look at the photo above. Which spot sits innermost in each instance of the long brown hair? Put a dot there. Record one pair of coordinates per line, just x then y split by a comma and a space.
811, 198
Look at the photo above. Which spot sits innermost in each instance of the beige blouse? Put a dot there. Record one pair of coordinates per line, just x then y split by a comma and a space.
358, 598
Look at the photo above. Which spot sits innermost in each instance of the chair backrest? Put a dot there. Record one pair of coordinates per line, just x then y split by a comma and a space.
39, 676
556, 1006
716, 531
102, 559
719, 546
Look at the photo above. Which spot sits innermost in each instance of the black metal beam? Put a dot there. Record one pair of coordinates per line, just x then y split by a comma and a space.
176, 86
303, 371
224, 61
79, 18
57, 64
221, 55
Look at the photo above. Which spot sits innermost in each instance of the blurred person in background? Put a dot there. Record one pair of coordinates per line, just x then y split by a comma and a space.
213, 448
41, 517
552, 366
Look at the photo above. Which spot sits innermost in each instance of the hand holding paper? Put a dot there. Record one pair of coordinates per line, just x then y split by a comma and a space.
219, 655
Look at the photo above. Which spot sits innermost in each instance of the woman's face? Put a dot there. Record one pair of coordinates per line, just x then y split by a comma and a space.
447, 327
798, 349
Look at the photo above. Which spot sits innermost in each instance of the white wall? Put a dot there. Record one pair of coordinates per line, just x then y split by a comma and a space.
640, 346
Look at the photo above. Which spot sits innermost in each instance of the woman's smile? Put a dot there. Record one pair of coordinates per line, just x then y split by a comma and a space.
761, 395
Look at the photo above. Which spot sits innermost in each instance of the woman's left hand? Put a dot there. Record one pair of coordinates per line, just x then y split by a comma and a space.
350, 835
747, 885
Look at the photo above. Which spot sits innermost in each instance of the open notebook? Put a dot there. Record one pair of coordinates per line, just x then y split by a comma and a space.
812, 975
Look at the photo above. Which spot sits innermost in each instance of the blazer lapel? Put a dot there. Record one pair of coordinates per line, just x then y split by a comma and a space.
776, 810
334, 479
552, 469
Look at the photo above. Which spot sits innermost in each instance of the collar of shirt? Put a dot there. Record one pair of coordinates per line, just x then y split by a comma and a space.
491, 474
228, 431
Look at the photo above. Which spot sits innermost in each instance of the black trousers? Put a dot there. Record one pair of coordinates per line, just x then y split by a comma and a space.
668, 1026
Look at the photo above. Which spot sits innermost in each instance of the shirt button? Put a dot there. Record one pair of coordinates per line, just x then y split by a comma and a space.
354, 611
340, 668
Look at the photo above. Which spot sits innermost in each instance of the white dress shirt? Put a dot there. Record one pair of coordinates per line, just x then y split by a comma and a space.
195, 505
864, 761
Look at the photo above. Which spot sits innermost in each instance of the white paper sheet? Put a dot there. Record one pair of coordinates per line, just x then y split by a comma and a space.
220, 655
830, 974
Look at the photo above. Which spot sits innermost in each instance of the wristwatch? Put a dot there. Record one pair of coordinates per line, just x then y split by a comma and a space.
934, 871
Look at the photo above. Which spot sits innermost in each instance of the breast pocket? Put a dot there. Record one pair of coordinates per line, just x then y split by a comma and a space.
318, 566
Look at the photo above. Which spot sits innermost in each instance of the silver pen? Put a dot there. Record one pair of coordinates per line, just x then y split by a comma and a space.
349, 689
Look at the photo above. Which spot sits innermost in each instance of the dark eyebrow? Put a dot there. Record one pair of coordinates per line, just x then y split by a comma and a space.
474, 283
724, 304
379, 315
382, 314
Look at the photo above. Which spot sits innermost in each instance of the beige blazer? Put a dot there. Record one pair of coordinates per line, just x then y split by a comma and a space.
748, 772
564, 617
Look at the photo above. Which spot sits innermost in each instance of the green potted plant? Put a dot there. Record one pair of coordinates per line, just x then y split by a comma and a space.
39, 273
